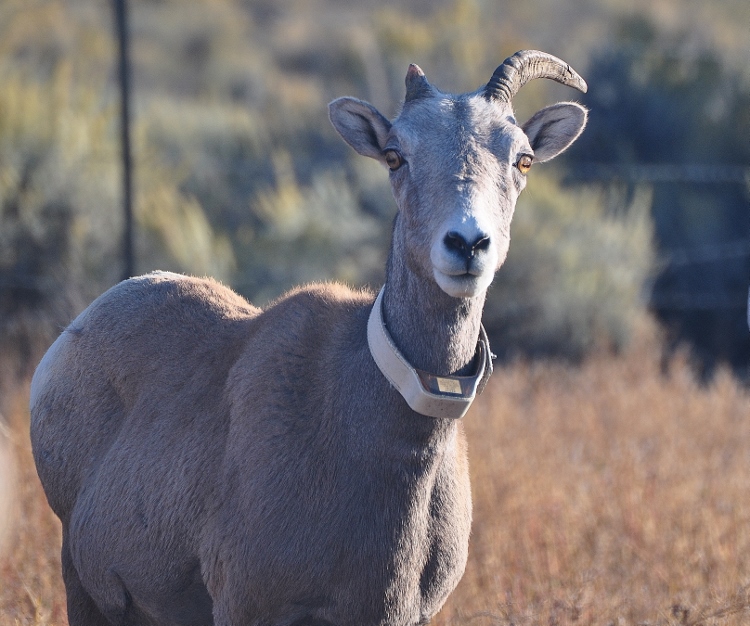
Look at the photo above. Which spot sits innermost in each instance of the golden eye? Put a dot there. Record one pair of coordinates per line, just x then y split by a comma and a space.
393, 159
524, 163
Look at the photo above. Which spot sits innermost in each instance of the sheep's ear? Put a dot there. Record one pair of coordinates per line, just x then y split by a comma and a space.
554, 128
361, 125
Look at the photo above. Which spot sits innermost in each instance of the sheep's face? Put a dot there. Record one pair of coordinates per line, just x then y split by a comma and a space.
454, 169
457, 166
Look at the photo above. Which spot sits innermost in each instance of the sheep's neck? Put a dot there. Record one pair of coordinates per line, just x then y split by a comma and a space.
434, 331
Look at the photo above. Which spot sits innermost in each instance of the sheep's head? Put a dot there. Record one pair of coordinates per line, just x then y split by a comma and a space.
458, 163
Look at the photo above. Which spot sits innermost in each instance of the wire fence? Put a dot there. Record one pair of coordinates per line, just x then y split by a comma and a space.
650, 173
738, 249
691, 174
668, 259
706, 301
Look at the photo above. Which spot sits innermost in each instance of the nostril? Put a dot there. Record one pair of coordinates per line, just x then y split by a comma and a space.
455, 241
482, 243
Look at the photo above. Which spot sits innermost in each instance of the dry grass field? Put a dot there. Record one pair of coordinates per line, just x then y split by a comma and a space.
612, 493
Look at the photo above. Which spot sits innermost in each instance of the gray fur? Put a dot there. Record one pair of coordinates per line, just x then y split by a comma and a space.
215, 463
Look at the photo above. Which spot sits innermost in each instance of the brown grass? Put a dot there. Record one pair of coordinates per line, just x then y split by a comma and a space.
608, 494
31, 588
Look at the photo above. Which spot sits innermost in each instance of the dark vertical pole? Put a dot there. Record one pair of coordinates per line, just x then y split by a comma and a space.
127, 169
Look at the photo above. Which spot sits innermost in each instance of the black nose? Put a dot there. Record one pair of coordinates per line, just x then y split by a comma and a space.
455, 242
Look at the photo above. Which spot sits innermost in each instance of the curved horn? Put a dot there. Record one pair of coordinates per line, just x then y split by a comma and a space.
527, 65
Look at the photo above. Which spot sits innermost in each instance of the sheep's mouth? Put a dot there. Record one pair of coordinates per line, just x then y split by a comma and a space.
463, 275
466, 284
468, 271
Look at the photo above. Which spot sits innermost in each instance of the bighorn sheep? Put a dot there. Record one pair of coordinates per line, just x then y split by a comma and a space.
215, 463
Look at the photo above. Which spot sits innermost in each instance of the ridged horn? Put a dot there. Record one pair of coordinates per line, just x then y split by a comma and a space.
526, 65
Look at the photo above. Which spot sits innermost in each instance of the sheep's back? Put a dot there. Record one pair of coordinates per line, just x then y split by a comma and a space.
145, 362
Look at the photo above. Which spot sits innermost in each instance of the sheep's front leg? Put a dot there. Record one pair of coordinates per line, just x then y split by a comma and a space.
82, 610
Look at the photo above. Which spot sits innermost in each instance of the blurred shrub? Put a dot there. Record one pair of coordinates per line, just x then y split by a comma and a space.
44, 235
240, 175
275, 196
174, 227
575, 275
312, 232
59, 184
670, 98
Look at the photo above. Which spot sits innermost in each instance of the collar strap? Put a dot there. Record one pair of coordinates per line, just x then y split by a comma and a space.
428, 394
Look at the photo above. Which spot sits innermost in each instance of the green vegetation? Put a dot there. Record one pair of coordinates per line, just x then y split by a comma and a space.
575, 275
665, 99
238, 173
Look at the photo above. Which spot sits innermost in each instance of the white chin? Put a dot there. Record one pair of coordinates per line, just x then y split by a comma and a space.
463, 285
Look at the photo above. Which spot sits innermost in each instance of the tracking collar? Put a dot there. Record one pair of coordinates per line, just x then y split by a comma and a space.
425, 393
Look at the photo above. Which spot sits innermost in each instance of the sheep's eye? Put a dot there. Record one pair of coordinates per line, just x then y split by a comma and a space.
524, 163
393, 159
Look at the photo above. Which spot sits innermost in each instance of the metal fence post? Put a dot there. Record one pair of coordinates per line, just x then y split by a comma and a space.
127, 173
